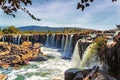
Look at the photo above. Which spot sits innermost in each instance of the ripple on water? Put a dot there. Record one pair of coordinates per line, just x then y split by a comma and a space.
45, 70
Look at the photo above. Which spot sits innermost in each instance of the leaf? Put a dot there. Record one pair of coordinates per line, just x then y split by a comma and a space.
29, 2
82, 1
82, 7
87, 4
86, 0
78, 5
91, 0
14, 9
17, 5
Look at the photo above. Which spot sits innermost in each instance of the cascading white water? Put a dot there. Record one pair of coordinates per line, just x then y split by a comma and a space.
69, 50
3, 39
90, 57
53, 40
47, 40
76, 58
19, 37
56, 43
28, 38
15, 40
68, 47
63, 42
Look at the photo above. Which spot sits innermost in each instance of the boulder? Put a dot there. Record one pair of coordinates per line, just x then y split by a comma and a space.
79, 76
71, 73
39, 58
3, 77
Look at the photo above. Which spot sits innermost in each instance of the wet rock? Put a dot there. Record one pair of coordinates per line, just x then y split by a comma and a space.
19, 54
71, 73
39, 58
3, 77
79, 76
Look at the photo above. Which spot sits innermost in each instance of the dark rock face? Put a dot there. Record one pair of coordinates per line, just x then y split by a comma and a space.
71, 73
113, 57
87, 74
76, 74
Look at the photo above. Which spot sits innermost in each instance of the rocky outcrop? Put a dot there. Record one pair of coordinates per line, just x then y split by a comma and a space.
18, 54
3, 77
87, 74
112, 57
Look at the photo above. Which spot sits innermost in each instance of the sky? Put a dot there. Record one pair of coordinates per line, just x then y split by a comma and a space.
101, 15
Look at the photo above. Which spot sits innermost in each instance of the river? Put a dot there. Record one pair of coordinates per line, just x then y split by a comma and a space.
52, 69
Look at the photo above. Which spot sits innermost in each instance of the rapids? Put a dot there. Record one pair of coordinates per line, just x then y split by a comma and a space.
52, 69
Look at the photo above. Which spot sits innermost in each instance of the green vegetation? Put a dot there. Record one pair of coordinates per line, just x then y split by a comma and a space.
101, 45
100, 41
11, 30
14, 30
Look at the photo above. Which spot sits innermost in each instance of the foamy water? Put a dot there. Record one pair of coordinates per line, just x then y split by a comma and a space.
53, 69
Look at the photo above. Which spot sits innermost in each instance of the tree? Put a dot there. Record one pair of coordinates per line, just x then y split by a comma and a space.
11, 30
11, 6
85, 3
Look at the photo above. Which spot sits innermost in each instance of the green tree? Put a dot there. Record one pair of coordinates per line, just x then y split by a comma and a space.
11, 30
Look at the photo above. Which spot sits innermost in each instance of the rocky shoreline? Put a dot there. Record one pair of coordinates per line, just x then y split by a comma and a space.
12, 55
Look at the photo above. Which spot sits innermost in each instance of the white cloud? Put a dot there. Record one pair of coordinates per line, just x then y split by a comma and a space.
64, 13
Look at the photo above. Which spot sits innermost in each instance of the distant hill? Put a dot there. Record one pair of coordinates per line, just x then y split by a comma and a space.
46, 28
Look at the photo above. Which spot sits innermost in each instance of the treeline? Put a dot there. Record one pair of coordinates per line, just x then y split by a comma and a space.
14, 30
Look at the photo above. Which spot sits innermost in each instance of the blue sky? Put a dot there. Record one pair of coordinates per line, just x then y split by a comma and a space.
102, 14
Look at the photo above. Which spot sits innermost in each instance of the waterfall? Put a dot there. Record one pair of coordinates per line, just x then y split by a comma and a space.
28, 38
85, 55
53, 40
90, 57
68, 47
15, 40
76, 58
63, 42
69, 50
3, 39
47, 40
19, 38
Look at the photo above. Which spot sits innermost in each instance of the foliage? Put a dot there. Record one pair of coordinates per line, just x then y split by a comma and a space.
11, 30
85, 3
100, 41
1, 31
101, 45
11, 6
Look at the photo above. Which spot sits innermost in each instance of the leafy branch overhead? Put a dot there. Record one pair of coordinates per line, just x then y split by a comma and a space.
11, 6
85, 3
